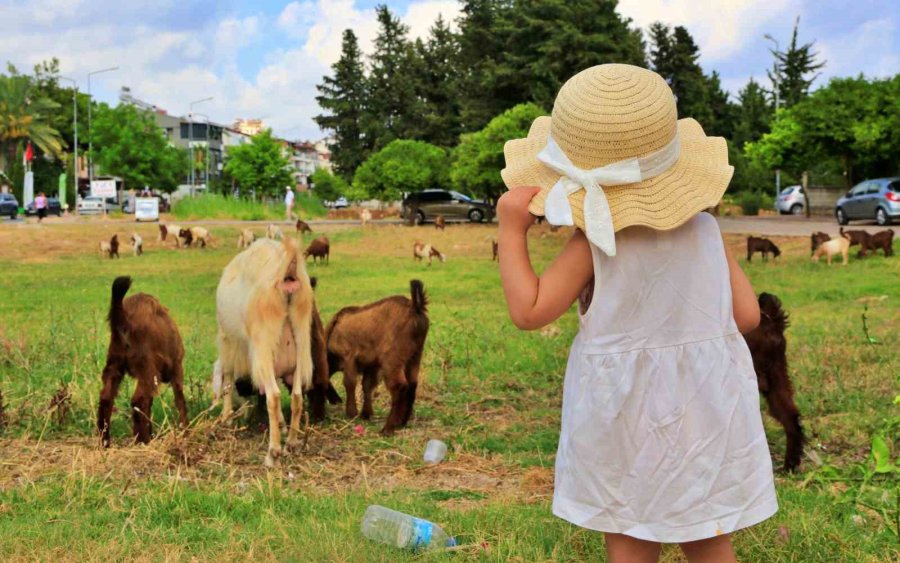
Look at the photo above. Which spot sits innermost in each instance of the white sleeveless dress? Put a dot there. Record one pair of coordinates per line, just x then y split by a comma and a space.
662, 436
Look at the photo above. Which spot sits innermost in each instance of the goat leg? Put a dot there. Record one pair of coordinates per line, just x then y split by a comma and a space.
397, 385
178, 391
782, 408
113, 373
142, 405
351, 376
370, 382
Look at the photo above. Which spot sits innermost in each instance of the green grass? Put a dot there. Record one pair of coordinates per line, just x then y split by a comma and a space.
215, 206
491, 391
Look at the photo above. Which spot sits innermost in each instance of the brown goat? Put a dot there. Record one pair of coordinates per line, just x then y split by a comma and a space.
319, 249
768, 348
427, 252
883, 240
144, 342
860, 238
440, 222
495, 249
762, 245
110, 249
303, 226
381, 341
817, 239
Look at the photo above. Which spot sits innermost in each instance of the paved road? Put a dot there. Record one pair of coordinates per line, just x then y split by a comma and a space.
773, 225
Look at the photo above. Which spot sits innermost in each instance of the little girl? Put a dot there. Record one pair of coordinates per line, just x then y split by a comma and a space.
662, 438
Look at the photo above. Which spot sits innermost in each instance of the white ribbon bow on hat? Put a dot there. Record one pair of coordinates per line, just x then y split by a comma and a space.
598, 222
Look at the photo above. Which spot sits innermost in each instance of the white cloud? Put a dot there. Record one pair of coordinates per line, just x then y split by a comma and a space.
864, 49
422, 15
722, 28
233, 33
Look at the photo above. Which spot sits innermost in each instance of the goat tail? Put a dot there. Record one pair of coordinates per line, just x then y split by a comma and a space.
419, 299
120, 287
770, 306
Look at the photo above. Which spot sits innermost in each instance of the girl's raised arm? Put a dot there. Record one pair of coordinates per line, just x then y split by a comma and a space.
536, 301
743, 298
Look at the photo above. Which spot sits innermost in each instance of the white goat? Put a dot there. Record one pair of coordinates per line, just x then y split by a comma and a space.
137, 244
264, 304
246, 238
274, 232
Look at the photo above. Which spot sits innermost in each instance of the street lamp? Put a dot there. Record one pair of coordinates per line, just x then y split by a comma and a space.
777, 85
191, 134
206, 160
75, 128
90, 130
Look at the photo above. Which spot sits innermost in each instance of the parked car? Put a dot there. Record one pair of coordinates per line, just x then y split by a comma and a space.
428, 204
9, 206
339, 203
94, 204
791, 200
53, 207
877, 199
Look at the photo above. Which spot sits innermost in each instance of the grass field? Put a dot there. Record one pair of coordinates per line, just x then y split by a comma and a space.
492, 392
214, 206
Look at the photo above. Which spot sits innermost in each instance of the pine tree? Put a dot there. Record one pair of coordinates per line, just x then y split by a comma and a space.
724, 112
343, 96
754, 114
674, 56
439, 85
395, 109
795, 70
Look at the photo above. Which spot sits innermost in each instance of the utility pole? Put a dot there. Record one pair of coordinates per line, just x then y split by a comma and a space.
206, 159
191, 135
777, 87
75, 129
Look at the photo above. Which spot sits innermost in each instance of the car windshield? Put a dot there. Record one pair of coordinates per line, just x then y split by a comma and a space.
457, 195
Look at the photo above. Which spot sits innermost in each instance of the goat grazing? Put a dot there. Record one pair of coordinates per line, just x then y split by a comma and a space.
839, 245
860, 238
883, 240
274, 232
144, 342
426, 251
110, 248
245, 238
303, 227
767, 346
166, 230
137, 244
817, 239
762, 245
364, 217
381, 341
264, 305
195, 234
440, 222
495, 250
285, 368
319, 249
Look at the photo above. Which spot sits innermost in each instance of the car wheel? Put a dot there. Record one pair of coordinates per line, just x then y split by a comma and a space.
841, 216
420, 217
796, 209
881, 217
476, 216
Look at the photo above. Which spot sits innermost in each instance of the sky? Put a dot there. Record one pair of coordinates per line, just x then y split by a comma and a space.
263, 59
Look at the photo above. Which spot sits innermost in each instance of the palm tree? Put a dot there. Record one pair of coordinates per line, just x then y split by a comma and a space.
25, 116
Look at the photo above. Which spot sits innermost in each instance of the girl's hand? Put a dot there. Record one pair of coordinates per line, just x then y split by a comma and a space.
512, 208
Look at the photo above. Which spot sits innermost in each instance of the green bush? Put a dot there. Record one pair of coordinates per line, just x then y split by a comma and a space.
214, 206
751, 202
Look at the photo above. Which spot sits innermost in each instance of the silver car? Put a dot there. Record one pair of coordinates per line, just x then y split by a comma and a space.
790, 200
877, 199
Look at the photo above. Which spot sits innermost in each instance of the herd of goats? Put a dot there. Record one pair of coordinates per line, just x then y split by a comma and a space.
270, 333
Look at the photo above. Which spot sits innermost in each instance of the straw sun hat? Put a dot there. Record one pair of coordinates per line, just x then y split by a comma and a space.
615, 126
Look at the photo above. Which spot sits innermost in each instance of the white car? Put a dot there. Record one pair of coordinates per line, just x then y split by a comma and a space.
339, 203
790, 200
94, 204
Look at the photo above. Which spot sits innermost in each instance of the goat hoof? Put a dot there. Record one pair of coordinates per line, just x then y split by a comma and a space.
293, 445
272, 459
387, 432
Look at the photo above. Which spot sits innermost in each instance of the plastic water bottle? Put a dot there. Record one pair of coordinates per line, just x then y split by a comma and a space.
402, 530
435, 451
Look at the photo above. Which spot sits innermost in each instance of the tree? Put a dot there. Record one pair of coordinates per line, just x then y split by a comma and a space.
344, 98
441, 122
394, 108
477, 161
753, 115
260, 166
328, 186
724, 112
552, 40
795, 70
129, 144
401, 166
25, 115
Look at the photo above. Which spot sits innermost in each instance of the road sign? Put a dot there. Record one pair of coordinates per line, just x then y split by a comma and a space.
103, 188
146, 209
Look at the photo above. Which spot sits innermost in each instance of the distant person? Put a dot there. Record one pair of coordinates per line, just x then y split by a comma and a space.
146, 192
41, 204
289, 203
